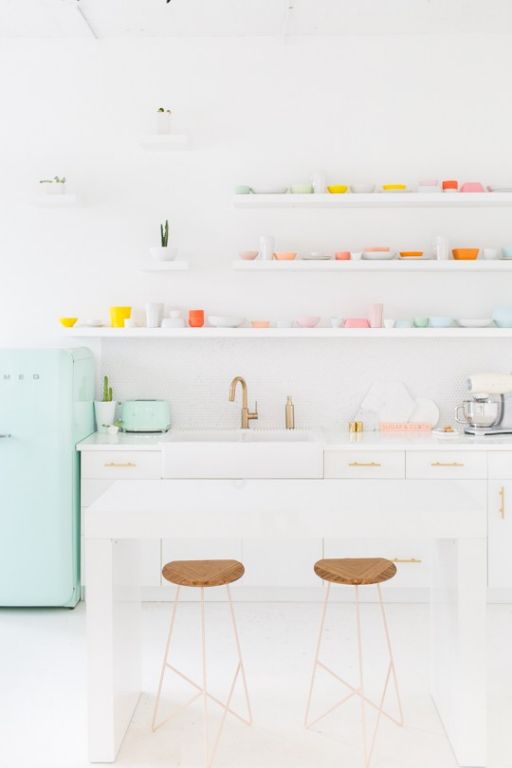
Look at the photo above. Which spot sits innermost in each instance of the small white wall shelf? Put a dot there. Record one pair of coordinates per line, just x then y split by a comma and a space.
290, 333
68, 200
165, 141
392, 266
377, 200
164, 266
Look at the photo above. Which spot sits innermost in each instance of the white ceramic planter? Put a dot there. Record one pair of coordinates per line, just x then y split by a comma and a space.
163, 122
159, 253
53, 188
105, 414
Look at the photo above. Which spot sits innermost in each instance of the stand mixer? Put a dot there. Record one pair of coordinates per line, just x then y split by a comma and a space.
489, 411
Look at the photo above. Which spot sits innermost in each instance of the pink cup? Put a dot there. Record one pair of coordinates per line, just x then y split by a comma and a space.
375, 315
356, 322
342, 255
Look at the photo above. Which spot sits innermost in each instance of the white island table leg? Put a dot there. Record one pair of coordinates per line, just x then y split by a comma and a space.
458, 647
113, 643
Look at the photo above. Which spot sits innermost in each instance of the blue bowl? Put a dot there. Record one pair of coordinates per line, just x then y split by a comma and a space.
441, 322
507, 252
503, 317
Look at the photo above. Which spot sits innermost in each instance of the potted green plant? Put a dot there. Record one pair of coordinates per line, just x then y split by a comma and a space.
163, 120
55, 186
105, 409
162, 252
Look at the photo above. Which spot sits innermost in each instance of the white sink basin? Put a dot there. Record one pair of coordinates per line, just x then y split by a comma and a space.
242, 453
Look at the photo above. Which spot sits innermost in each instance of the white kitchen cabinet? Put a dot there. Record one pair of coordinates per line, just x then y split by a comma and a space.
412, 558
281, 563
99, 469
499, 512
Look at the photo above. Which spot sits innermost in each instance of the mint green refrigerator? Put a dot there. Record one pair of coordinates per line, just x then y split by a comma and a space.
46, 407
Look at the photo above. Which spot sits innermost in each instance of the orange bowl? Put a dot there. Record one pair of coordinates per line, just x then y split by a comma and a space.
465, 254
411, 254
285, 255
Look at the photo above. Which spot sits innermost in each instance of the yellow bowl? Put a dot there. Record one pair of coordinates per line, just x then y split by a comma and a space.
68, 322
394, 187
337, 189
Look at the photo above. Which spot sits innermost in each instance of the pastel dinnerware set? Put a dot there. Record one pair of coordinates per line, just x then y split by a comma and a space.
319, 185
378, 253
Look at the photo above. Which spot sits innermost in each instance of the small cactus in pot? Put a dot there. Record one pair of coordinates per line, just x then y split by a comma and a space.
163, 252
105, 409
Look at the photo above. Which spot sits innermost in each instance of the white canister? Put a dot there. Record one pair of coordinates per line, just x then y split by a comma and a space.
319, 182
105, 414
154, 314
375, 315
442, 248
267, 247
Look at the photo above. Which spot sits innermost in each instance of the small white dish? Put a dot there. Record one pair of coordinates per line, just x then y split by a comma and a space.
492, 188
315, 256
173, 322
490, 253
477, 322
90, 323
425, 257
362, 188
269, 190
356, 255
223, 321
445, 435
378, 255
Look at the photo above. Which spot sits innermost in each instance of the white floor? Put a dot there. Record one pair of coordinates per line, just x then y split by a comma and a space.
42, 691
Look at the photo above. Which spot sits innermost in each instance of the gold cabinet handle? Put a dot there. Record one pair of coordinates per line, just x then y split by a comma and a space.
364, 464
119, 465
447, 464
501, 509
406, 560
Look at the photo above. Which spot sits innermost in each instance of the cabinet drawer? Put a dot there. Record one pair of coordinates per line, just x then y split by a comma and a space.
499, 465
121, 464
469, 465
364, 464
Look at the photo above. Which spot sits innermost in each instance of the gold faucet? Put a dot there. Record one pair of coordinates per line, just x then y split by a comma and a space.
247, 415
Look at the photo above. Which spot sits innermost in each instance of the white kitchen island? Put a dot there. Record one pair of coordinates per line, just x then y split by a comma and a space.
436, 491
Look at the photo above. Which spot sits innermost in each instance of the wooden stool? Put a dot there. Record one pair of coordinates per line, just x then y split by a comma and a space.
204, 574
357, 572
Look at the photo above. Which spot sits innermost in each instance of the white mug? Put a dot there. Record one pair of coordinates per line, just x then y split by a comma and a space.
154, 314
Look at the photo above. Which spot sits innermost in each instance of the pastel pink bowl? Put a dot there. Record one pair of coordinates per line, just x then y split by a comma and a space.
472, 186
248, 255
307, 322
356, 322
342, 255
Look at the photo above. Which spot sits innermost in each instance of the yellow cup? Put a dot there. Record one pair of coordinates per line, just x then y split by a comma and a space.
118, 315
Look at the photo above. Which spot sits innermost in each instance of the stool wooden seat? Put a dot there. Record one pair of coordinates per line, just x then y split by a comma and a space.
356, 570
203, 573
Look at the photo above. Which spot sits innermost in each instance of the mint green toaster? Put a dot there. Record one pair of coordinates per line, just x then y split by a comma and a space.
146, 416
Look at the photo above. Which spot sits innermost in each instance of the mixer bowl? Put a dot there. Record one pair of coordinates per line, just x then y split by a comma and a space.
479, 413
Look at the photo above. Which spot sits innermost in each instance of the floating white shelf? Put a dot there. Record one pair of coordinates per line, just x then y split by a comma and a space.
291, 333
56, 201
377, 200
164, 266
165, 141
393, 266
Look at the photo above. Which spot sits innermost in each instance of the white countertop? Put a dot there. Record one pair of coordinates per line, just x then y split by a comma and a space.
333, 439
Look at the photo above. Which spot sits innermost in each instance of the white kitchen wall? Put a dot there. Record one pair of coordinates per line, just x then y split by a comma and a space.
258, 111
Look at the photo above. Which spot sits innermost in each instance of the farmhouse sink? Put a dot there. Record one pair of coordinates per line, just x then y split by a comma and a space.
242, 453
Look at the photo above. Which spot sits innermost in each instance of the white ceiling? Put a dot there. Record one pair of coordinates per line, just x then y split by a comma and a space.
156, 18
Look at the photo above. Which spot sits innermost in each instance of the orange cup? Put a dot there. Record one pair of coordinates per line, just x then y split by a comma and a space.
342, 255
450, 184
196, 318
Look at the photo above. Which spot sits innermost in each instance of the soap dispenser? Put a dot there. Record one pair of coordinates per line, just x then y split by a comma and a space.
289, 413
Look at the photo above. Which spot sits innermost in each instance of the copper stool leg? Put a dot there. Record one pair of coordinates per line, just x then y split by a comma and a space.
202, 690
359, 690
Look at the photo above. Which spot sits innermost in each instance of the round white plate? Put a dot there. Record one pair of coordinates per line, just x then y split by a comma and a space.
425, 257
445, 435
425, 412
378, 255
317, 257
219, 321
477, 322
